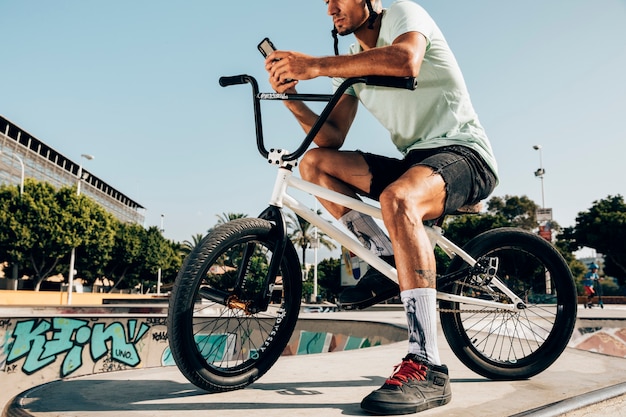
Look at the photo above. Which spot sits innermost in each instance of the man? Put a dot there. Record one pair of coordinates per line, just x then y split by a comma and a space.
589, 279
448, 163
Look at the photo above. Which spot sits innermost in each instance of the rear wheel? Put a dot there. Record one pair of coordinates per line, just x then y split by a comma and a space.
511, 344
223, 334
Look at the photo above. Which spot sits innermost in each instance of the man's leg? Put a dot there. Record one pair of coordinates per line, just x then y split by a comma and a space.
346, 172
341, 171
417, 196
420, 382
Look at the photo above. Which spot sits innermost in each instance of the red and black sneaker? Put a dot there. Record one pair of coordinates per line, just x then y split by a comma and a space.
414, 386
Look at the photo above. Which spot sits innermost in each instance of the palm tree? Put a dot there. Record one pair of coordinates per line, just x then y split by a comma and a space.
188, 246
303, 234
227, 217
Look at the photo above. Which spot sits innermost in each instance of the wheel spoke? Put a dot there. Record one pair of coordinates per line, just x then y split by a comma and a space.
517, 343
227, 342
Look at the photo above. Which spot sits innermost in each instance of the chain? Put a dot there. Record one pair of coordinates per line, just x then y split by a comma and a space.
463, 310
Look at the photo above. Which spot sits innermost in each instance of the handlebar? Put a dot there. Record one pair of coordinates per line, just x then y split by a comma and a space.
234, 80
409, 83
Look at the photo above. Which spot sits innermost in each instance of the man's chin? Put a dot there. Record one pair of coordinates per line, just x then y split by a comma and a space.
345, 32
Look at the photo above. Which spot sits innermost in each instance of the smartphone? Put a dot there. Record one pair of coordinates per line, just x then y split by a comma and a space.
266, 47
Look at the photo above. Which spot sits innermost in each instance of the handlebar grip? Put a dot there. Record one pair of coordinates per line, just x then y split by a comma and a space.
234, 80
408, 83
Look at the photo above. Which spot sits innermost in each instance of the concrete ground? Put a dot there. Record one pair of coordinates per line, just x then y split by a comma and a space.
580, 383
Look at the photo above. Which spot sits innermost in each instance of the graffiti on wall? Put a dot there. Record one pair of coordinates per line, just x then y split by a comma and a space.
42, 342
45, 349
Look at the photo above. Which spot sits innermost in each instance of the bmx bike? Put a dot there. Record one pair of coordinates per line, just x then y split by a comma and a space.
507, 302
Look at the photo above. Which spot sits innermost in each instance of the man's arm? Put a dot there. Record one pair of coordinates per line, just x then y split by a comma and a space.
403, 58
334, 131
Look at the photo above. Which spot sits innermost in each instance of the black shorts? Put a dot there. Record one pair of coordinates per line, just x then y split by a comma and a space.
467, 177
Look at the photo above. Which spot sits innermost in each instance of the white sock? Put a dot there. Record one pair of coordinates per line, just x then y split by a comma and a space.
368, 232
420, 305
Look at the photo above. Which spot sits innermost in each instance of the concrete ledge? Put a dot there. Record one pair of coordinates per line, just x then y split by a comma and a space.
580, 402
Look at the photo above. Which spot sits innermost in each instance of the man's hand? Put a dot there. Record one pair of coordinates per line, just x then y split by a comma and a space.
286, 87
287, 67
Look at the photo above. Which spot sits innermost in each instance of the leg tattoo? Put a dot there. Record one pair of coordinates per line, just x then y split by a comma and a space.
428, 276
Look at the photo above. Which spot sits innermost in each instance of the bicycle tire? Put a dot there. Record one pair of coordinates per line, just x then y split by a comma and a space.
224, 346
512, 345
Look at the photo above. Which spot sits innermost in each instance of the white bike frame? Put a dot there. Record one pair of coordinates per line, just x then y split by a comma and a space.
280, 198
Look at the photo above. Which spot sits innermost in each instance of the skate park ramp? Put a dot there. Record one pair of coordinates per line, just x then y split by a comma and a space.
114, 360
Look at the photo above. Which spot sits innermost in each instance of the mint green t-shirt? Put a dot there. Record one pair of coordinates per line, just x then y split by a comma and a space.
439, 112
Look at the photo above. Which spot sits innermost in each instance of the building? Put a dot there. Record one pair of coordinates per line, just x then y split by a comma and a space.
22, 155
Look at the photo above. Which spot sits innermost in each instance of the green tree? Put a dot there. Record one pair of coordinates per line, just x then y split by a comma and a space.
507, 211
603, 228
329, 278
157, 253
171, 268
14, 235
517, 211
44, 225
96, 250
137, 255
126, 256
566, 244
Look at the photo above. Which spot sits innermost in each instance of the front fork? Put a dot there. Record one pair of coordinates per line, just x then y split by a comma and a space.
273, 213
260, 301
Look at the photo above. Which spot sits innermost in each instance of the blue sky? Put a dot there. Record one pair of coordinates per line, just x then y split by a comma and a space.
134, 83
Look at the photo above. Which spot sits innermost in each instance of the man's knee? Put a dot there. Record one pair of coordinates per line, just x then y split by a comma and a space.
310, 164
415, 204
394, 200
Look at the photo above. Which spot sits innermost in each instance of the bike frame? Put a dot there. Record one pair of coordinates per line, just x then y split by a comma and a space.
285, 180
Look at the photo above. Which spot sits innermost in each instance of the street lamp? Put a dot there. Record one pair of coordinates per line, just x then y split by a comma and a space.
315, 245
73, 253
159, 271
540, 173
80, 171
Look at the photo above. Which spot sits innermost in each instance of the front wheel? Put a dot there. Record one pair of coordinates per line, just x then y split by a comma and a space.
511, 344
228, 321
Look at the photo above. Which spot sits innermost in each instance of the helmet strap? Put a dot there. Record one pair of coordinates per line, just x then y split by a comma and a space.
373, 15
335, 40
